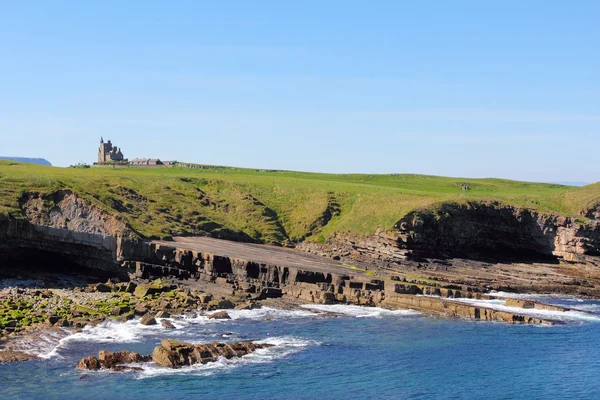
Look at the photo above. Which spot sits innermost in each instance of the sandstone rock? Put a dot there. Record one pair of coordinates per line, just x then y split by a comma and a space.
205, 298
219, 315
145, 290
7, 356
148, 319
113, 361
120, 310
127, 317
103, 288
248, 306
520, 303
141, 309
221, 304
129, 287
174, 354
163, 314
89, 363
167, 324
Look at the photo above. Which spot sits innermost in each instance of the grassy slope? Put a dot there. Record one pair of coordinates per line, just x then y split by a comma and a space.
273, 206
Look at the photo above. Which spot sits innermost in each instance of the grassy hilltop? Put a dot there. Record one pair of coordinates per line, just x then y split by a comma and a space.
273, 206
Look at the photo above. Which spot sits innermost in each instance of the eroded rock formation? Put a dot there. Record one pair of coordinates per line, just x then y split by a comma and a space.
494, 230
170, 354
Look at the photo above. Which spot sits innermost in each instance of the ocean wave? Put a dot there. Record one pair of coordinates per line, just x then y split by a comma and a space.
358, 311
256, 315
500, 305
533, 296
111, 331
283, 346
42, 344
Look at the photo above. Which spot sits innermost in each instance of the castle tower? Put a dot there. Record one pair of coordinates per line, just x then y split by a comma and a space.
107, 152
101, 152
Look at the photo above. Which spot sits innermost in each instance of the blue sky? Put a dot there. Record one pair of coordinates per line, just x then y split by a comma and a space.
463, 88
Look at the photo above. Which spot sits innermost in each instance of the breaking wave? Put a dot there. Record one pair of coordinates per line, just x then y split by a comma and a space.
500, 305
358, 311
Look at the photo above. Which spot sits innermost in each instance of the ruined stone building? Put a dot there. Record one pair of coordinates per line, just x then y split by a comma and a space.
109, 153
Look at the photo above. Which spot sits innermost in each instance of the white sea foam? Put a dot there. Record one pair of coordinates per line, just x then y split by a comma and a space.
358, 311
132, 331
533, 296
567, 301
284, 346
256, 315
42, 344
500, 305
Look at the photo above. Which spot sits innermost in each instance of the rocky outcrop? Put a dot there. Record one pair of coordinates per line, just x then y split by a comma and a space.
460, 310
113, 361
492, 229
63, 228
7, 356
169, 354
219, 315
533, 305
174, 354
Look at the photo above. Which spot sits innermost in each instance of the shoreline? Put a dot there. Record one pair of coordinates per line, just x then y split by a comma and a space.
127, 301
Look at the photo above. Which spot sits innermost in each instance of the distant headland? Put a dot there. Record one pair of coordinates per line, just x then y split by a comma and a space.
39, 161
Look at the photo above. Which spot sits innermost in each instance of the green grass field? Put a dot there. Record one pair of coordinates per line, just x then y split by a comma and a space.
277, 206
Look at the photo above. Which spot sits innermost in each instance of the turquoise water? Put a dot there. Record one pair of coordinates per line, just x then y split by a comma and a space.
350, 353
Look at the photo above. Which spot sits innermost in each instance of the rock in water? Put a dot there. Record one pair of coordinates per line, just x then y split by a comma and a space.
163, 314
89, 363
170, 354
7, 356
113, 361
148, 319
167, 324
174, 354
219, 315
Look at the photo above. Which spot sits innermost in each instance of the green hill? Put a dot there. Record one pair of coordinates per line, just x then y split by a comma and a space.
273, 206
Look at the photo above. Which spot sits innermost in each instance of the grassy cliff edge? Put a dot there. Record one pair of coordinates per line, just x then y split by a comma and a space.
274, 206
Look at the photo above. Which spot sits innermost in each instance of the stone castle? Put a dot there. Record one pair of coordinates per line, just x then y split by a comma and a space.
109, 153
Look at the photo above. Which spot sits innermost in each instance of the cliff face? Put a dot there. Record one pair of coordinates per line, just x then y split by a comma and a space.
492, 229
64, 228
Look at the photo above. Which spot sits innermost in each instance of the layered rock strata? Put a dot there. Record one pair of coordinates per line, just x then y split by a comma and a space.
492, 229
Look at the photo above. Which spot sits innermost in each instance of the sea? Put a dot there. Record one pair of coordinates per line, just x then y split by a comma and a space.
333, 352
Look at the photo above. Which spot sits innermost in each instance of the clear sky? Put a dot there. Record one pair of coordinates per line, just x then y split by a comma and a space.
461, 88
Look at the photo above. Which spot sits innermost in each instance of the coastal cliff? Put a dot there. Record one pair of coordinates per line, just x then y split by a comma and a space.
492, 229
63, 228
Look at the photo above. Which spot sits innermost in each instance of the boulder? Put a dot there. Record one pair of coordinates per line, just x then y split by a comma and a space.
221, 304
205, 298
167, 324
148, 319
248, 306
89, 363
162, 314
103, 288
141, 309
146, 290
219, 315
